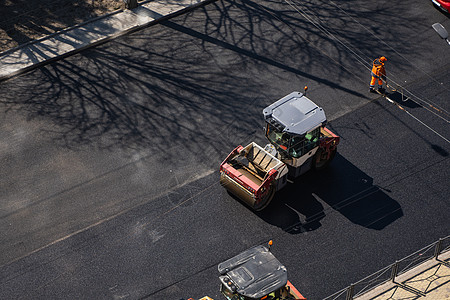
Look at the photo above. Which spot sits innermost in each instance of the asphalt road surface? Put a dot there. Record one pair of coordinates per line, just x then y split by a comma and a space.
109, 158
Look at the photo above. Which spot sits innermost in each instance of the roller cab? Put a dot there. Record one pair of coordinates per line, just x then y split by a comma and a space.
256, 274
296, 130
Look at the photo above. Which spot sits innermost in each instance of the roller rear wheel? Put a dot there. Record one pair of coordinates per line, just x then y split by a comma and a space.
321, 161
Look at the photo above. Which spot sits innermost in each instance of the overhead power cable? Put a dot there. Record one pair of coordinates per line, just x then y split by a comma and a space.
433, 108
360, 60
428, 102
390, 47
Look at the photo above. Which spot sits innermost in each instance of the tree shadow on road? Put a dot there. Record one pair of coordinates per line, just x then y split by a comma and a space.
341, 188
166, 89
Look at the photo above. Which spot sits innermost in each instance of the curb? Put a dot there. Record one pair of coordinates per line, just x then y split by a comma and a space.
100, 41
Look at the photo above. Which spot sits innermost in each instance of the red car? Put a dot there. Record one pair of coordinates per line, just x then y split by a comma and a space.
442, 4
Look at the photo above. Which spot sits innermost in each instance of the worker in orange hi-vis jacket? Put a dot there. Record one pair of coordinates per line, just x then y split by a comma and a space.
378, 74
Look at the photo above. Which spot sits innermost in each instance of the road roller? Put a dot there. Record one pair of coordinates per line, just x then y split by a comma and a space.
298, 141
255, 274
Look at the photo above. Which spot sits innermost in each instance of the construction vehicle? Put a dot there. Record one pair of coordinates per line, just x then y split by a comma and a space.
298, 142
255, 274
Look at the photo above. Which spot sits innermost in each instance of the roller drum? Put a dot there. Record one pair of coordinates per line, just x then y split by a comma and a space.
246, 196
237, 190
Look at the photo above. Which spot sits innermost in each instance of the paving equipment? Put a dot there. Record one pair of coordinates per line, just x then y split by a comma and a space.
255, 274
298, 142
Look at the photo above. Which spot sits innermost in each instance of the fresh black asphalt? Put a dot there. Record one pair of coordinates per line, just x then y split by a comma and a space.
109, 157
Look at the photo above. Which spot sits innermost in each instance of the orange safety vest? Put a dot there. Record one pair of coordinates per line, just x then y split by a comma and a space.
378, 69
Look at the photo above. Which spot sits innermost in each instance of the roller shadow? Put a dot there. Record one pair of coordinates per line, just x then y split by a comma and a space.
342, 188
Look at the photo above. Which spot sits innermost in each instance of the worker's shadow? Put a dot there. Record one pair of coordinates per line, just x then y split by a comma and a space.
402, 99
341, 188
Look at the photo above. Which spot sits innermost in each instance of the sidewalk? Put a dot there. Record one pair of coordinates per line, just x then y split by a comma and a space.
430, 280
91, 33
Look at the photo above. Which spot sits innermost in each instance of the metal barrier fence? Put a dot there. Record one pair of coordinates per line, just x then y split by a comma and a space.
390, 272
